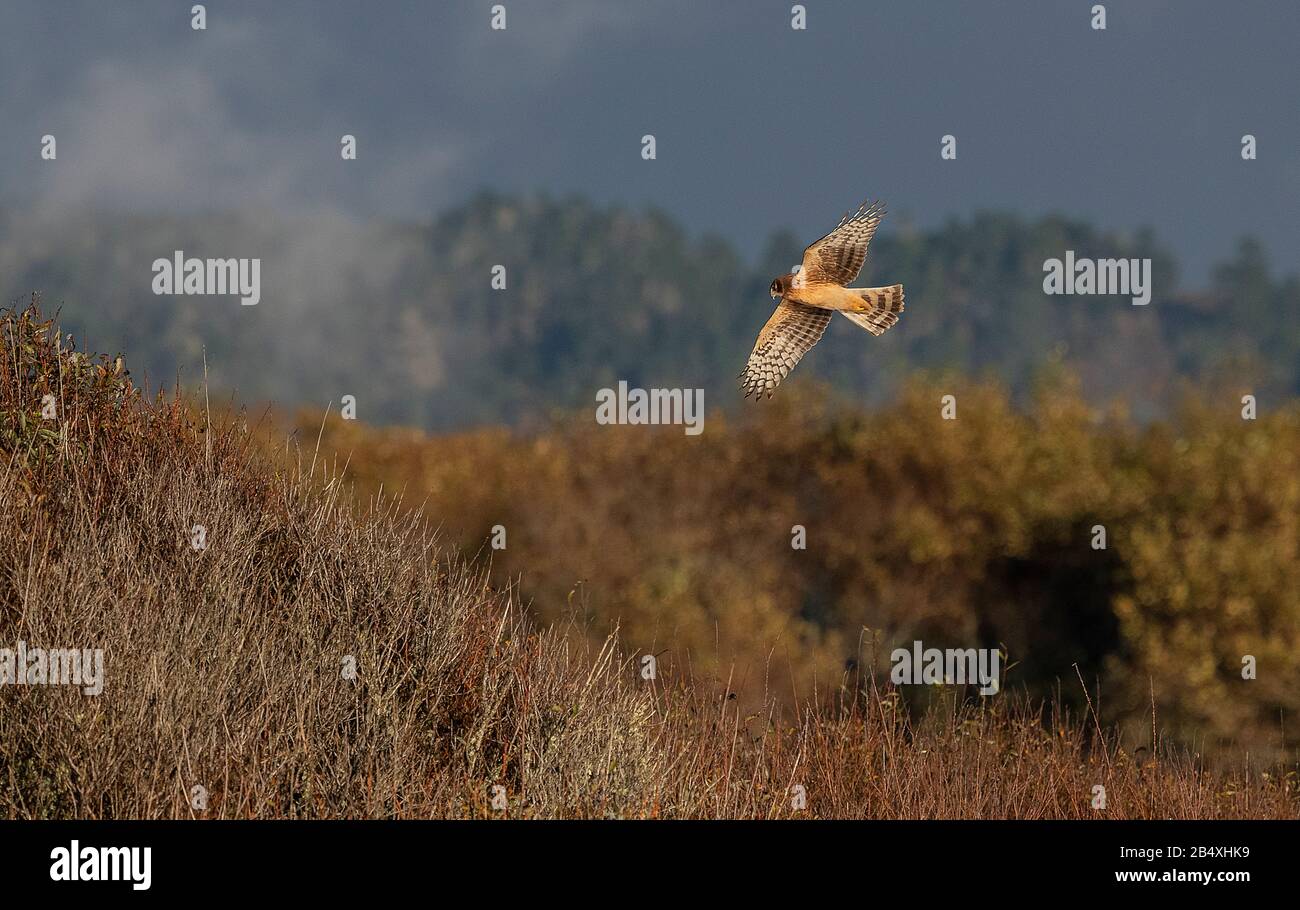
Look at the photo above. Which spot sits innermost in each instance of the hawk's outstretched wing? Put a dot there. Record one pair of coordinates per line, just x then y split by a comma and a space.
788, 335
837, 258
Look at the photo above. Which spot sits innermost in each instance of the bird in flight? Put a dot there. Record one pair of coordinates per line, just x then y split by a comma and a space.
812, 292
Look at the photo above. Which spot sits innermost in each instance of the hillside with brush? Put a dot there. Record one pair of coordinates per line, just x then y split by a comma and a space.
278, 642
811, 535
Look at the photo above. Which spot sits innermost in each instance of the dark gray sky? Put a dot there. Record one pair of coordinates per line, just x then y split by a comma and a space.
758, 126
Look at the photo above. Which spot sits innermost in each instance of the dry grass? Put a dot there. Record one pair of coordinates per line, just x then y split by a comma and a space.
225, 665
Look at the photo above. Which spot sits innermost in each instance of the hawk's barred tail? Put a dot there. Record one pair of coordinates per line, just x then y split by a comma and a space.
883, 307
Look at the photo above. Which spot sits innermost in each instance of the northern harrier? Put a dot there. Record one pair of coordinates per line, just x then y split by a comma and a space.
812, 292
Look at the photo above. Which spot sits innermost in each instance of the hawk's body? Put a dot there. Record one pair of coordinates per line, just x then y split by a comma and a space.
817, 289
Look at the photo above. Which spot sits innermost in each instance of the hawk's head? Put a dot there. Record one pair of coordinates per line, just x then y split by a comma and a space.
780, 286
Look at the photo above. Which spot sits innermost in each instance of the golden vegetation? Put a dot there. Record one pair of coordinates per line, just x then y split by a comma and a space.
225, 666
977, 531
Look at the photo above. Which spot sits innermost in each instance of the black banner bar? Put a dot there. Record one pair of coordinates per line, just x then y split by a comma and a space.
902, 858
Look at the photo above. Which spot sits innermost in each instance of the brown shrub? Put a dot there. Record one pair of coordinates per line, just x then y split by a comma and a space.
969, 532
224, 665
